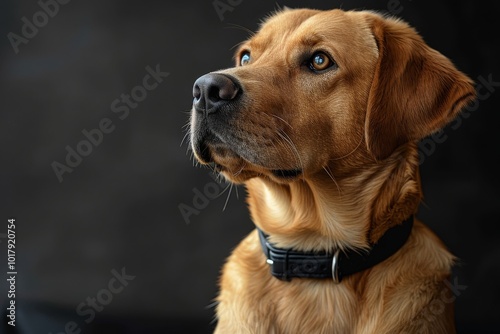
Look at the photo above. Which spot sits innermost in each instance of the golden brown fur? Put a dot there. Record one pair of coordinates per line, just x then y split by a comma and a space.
352, 132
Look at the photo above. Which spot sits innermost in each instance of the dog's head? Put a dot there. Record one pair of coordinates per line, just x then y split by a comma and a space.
322, 88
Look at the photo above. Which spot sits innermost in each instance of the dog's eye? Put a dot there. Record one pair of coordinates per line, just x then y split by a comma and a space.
320, 62
245, 58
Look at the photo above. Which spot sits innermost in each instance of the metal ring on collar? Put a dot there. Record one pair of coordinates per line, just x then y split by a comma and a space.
335, 267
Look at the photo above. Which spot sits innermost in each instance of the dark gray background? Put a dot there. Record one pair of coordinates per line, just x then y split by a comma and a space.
120, 206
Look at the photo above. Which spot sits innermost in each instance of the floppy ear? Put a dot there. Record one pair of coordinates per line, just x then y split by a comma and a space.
415, 89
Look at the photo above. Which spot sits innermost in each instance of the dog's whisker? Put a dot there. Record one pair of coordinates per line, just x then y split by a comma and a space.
240, 27
240, 170
281, 119
187, 128
291, 145
225, 189
228, 195
216, 173
330, 174
188, 133
219, 177
350, 153
229, 186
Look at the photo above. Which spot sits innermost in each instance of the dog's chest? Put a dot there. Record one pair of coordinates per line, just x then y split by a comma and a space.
315, 307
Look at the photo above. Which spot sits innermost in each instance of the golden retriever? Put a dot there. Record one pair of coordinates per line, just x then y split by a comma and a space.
320, 119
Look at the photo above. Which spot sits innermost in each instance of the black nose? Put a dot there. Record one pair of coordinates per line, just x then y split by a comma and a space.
213, 90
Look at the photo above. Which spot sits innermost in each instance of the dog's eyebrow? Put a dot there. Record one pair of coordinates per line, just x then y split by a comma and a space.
311, 40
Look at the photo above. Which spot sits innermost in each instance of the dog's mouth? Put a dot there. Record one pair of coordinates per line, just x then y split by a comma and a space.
239, 169
239, 166
203, 153
286, 173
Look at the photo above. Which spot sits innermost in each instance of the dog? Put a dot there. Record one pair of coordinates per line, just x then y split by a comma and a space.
320, 119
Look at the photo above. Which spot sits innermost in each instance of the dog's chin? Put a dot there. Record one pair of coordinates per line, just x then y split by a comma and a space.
237, 169
282, 176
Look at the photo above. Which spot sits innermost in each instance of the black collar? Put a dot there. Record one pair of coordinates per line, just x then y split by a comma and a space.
287, 263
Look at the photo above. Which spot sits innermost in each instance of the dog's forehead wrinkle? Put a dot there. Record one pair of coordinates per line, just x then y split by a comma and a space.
280, 26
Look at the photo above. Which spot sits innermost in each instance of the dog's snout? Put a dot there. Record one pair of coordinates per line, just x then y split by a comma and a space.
214, 90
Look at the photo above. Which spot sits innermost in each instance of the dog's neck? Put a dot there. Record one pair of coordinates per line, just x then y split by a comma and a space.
322, 212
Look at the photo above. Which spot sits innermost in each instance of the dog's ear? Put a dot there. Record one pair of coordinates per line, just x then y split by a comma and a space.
415, 89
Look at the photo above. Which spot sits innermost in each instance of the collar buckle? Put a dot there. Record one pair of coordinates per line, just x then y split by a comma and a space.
335, 268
